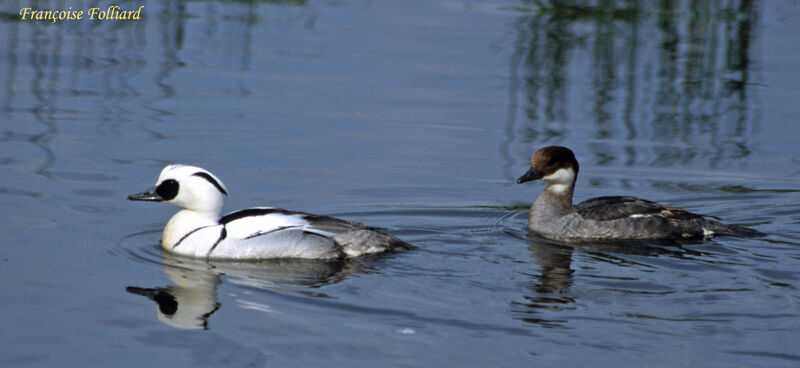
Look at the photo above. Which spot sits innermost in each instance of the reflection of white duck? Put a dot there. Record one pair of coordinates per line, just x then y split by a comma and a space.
255, 233
553, 216
189, 302
192, 299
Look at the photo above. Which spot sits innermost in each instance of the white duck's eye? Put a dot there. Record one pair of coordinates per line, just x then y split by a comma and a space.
168, 189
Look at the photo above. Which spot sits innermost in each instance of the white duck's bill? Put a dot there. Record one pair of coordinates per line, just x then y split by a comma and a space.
149, 196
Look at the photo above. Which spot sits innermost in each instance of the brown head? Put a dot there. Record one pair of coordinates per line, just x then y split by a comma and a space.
554, 165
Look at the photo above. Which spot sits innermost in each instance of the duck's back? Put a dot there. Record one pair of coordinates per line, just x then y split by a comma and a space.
356, 239
631, 218
280, 233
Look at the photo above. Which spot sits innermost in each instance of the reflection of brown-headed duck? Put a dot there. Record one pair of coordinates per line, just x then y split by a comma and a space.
256, 233
553, 216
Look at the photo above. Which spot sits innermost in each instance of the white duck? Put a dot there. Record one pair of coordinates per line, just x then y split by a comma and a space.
254, 233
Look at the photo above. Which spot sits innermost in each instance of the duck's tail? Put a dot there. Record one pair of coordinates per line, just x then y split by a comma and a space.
718, 228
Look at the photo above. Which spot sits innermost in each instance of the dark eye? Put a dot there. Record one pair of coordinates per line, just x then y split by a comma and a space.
166, 303
168, 189
551, 162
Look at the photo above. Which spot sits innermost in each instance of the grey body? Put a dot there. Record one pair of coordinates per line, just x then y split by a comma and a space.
624, 218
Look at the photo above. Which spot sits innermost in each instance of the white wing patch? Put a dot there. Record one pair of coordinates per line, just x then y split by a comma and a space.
253, 225
317, 231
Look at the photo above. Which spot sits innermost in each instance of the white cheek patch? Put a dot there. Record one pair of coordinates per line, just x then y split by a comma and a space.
563, 175
560, 180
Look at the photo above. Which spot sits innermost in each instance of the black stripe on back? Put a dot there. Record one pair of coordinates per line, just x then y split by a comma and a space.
271, 231
255, 212
211, 180
222, 235
187, 235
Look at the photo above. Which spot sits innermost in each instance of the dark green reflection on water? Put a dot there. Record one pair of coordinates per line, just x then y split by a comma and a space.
117, 72
674, 75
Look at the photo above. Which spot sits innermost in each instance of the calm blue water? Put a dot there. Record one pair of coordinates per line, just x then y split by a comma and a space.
415, 116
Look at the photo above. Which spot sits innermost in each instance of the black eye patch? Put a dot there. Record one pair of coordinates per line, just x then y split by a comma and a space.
168, 189
551, 162
166, 303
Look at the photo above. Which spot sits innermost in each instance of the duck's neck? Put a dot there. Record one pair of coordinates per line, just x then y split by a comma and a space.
185, 222
556, 200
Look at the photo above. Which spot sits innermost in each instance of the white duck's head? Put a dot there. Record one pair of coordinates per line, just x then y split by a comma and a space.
189, 187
